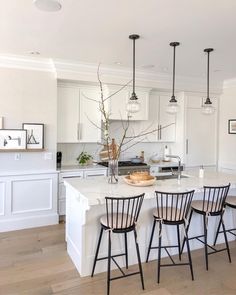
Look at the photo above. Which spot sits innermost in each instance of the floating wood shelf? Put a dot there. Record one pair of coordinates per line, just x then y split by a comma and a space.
22, 150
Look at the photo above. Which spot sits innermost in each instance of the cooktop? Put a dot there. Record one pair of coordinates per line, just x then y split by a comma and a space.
123, 164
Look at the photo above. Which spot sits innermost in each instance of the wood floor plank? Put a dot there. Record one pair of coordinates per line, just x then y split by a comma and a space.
35, 262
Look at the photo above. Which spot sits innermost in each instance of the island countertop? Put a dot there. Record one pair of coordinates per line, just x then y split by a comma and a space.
97, 188
85, 200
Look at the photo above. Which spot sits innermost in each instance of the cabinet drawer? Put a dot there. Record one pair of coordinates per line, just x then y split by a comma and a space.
92, 173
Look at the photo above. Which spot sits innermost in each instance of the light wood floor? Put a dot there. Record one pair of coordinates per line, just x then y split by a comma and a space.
35, 261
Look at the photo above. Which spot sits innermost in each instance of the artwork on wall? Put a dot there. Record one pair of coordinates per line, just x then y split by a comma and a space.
12, 139
1, 122
232, 126
35, 135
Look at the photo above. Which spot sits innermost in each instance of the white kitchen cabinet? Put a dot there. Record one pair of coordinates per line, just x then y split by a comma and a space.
159, 120
201, 134
79, 119
83, 173
117, 104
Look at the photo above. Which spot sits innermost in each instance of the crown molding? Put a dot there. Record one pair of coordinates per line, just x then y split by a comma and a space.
229, 83
27, 63
87, 72
69, 70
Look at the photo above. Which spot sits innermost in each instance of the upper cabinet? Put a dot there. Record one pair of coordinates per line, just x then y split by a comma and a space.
79, 118
159, 120
118, 101
201, 133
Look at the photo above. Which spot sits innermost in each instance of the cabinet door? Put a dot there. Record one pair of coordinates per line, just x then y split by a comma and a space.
143, 99
201, 138
167, 122
152, 123
68, 114
118, 103
90, 116
95, 172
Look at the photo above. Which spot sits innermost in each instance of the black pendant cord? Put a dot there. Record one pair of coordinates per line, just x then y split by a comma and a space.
208, 70
173, 85
133, 66
134, 37
208, 50
173, 44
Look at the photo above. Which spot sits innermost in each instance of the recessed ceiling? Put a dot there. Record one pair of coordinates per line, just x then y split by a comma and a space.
97, 31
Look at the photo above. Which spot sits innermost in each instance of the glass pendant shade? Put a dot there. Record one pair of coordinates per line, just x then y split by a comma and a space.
207, 107
133, 105
173, 107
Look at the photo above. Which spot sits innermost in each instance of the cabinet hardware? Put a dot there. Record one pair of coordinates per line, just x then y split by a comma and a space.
78, 131
186, 146
160, 132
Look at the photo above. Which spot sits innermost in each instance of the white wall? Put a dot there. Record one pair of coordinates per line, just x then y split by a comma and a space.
29, 96
227, 142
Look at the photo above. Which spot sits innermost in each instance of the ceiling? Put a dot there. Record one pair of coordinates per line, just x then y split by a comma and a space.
97, 31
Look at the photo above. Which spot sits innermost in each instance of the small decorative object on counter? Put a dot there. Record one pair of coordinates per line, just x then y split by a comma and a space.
166, 152
113, 163
84, 158
201, 172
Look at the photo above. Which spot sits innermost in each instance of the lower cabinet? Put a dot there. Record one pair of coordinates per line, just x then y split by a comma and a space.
28, 200
74, 174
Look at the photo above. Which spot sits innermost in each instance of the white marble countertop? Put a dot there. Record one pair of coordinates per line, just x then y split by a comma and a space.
95, 189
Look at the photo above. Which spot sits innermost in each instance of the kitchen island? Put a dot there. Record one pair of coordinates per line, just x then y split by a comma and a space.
85, 205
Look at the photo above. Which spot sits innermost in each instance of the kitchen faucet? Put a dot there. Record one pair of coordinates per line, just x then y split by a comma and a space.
179, 164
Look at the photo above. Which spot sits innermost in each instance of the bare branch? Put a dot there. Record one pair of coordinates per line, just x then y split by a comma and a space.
114, 93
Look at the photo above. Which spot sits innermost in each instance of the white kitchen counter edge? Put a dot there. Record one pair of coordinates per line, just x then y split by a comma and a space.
27, 172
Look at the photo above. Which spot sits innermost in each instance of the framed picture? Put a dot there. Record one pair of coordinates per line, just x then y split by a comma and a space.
35, 135
232, 126
12, 139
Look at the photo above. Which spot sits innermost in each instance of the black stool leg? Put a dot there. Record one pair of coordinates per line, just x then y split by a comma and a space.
159, 254
205, 239
139, 259
151, 238
225, 235
189, 255
109, 263
126, 251
179, 247
190, 217
217, 232
97, 250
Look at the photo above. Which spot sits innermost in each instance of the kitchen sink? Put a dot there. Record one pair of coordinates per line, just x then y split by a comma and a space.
162, 177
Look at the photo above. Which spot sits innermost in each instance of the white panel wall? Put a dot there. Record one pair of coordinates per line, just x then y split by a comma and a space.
227, 142
31, 97
2, 197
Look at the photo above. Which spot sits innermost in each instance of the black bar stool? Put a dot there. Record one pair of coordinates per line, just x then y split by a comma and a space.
171, 209
212, 204
230, 202
121, 217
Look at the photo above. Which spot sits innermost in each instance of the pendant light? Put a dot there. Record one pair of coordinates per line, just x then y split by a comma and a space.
133, 105
173, 106
207, 107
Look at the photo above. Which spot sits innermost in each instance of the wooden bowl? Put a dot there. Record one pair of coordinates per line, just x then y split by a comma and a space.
148, 182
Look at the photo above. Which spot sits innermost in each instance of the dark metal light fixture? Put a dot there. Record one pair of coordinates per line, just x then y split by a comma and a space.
133, 105
173, 106
207, 107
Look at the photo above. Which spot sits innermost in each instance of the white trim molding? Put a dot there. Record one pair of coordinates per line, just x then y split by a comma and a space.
27, 63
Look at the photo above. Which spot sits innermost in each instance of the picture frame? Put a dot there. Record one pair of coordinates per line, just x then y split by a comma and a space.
12, 139
232, 126
35, 135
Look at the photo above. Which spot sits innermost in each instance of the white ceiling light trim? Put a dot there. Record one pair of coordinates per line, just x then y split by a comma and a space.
47, 5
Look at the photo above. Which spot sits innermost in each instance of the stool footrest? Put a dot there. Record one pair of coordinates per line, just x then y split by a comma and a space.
175, 264
102, 258
125, 275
